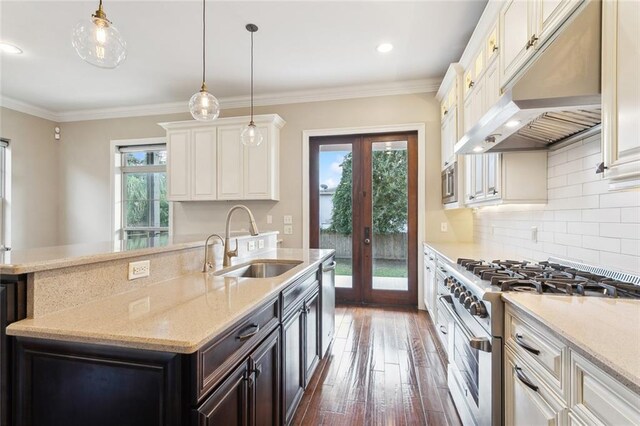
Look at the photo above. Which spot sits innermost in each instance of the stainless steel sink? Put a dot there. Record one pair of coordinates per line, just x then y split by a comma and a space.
259, 269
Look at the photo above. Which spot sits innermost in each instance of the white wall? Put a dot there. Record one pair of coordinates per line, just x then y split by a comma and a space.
582, 220
35, 189
85, 167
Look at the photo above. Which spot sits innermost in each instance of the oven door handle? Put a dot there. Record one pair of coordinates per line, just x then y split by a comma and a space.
480, 343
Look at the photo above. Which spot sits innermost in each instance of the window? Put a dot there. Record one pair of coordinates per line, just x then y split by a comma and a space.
145, 210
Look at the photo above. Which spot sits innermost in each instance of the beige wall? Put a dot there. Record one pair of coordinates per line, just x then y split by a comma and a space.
85, 214
35, 190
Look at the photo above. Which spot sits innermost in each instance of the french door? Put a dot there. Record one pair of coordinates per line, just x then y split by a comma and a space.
363, 204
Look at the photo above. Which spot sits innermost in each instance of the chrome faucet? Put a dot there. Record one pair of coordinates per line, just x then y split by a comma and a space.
207, 264
253, 230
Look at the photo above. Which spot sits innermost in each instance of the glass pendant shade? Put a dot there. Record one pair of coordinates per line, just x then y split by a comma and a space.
204, 106
251, 135
99, 43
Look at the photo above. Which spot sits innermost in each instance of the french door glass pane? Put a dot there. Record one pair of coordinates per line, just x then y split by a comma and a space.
389, 195
335, 201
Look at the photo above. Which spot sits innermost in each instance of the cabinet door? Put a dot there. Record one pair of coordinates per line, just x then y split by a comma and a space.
478, 101
293, 361
491, 45
448, 138
525, 402
312, 336
468, 114
178, 159
258, 168
230, 164
621, 92
492, 86
469, 176
477, 190
492, 162
265, 395
227, 405
515, 33
550, 15
203, 159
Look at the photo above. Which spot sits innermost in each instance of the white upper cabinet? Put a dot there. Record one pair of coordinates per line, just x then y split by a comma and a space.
209, 161
525, 26
449, 95
507, 178
621, 93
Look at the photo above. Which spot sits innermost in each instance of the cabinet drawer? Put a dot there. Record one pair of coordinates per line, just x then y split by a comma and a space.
546, 354
216, 359
600, 399
297, 291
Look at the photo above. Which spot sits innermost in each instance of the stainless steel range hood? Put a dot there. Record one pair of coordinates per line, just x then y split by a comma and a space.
556, 100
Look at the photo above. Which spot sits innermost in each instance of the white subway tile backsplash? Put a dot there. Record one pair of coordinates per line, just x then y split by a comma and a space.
620, 230
630, 215
582, 219
601, 243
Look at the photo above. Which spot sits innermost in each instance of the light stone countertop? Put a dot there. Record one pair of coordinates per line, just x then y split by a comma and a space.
453, 251
178, 315
605, 331
46, 258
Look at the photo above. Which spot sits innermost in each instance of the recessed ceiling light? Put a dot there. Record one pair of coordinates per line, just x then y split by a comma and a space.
512, 123
477, 149
9, 48
384, 47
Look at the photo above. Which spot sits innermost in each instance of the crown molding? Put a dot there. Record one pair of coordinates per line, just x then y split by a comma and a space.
26, 108
293, 97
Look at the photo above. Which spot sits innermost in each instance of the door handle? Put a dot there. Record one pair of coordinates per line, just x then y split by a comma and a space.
367, 235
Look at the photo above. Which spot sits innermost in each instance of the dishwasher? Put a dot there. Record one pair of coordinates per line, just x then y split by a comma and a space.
328, 302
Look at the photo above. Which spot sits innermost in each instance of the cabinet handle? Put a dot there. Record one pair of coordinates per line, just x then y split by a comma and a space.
307, 309
255, 327
446, 112
443, 329
257, 370
531, 42
471, 197
494, 48
428, 268
601, 168
471, 84
330, 267
524, 379
524, 346
249, 379
494, 192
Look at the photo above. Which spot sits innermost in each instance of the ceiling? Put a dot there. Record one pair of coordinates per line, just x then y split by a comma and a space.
300, 46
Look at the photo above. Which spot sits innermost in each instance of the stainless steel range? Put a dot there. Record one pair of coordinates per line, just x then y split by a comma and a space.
469, 295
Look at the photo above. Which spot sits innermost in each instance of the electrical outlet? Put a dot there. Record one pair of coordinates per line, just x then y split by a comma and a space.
269, 219
139, 269
251, 245
288, 219
443, 227
534, 234
288, 230
260, 244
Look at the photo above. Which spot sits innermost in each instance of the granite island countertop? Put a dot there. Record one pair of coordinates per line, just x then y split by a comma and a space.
606, 331
177, 315
25, 261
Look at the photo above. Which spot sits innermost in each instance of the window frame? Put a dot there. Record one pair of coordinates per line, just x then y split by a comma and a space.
117, 185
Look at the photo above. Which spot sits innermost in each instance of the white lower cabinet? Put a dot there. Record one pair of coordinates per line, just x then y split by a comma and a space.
207, 162
528, 401
549, 383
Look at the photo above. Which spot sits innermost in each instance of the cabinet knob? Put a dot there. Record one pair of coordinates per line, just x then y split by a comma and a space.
471, 197
531, 42
471, 84
494, 48
446, 111
601, 168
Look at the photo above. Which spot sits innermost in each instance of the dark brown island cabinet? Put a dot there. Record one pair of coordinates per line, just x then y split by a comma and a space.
254, 373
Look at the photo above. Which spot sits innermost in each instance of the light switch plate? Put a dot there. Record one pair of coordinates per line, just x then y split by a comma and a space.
269, 219
139, 269
288, 219
443, 227
251, 245
288, 230
534, 234
260, 244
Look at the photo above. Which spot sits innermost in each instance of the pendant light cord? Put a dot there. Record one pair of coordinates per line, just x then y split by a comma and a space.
252, 77
204, 41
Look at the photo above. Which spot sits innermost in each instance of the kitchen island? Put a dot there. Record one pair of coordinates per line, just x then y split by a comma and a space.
191, 349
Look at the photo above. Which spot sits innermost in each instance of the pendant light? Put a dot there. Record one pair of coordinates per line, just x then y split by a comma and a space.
251, 135
203, 105
98, 42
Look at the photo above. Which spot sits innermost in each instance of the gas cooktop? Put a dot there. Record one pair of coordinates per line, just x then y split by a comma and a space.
548, 278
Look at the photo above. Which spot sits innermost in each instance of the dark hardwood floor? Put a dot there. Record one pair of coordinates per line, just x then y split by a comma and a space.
384, 368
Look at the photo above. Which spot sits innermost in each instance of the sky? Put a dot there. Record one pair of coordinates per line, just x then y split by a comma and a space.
330, 170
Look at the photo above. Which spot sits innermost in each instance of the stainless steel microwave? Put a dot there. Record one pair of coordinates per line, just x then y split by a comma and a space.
450, 184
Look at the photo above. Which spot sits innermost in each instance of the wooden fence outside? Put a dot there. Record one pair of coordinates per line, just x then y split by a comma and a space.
385, 246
